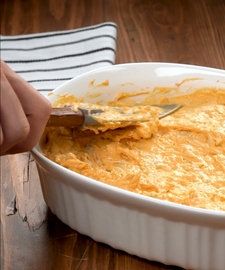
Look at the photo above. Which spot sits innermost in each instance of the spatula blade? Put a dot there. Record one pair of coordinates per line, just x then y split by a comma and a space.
167, 109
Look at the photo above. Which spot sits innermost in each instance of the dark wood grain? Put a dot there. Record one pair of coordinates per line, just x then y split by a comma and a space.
178, 31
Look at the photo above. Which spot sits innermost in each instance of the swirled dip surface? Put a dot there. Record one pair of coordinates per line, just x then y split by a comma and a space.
180, 158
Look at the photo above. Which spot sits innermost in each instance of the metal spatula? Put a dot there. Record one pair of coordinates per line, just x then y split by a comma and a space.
67, 117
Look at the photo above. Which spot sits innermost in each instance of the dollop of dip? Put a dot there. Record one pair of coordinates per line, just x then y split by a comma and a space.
180, 158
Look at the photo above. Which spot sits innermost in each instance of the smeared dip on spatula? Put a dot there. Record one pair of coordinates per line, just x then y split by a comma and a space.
106, 117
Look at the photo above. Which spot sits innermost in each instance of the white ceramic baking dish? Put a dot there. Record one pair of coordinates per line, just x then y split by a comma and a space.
153, 229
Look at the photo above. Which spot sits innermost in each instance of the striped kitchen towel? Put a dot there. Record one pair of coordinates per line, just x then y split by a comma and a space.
46, 60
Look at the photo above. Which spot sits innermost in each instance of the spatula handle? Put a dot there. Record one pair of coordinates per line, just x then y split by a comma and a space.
65, 117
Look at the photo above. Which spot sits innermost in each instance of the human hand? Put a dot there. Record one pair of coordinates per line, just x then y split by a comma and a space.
24, 113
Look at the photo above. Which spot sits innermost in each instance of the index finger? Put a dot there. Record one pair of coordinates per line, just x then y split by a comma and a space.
36, 108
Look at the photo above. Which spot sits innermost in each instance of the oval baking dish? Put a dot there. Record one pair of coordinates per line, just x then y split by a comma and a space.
153, 229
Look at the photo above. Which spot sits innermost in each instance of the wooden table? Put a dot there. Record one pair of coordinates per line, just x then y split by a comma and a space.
178, 31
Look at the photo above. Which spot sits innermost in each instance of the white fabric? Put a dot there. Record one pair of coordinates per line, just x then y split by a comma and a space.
46, 60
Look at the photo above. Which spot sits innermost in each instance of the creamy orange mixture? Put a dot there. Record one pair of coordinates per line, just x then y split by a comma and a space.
180, 158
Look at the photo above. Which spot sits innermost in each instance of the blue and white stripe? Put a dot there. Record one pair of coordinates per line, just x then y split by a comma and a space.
46, 60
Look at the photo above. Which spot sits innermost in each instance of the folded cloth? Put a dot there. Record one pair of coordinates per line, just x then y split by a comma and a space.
46, 60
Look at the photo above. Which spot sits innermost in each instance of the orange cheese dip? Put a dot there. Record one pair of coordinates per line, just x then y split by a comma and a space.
180, 158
